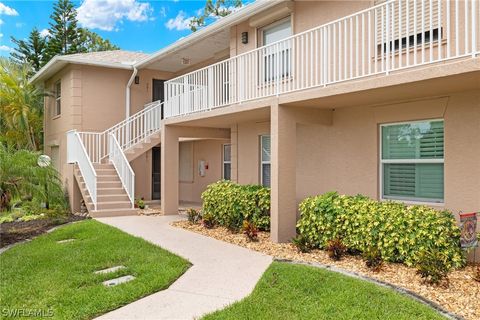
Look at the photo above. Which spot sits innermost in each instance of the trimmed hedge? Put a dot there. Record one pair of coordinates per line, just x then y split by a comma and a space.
230, 204
401, 233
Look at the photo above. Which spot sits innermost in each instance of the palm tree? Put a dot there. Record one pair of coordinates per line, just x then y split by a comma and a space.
21, 106
21, 177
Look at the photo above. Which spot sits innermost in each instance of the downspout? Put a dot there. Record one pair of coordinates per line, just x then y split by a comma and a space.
127, 95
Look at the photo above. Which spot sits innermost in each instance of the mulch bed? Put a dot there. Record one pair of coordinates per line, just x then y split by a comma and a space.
461, 295
13, 232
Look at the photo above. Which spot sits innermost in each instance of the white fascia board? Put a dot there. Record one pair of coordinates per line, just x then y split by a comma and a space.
203, 33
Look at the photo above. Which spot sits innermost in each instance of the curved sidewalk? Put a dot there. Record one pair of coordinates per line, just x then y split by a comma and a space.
221, 273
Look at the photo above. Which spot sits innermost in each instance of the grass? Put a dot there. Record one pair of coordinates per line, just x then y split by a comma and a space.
289, 291
59, 279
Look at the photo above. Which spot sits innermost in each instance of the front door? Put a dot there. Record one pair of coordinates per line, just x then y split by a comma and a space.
156, 173
158, 91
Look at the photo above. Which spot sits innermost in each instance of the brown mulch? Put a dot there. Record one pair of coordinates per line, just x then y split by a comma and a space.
13, 232
461, 296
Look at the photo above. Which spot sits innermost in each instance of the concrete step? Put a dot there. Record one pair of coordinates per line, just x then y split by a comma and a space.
109, 184
113, 205
103, 166
107, 191
103, 171
113, 198
108, 178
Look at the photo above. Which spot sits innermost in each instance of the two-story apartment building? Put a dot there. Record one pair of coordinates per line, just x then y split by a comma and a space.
380, 98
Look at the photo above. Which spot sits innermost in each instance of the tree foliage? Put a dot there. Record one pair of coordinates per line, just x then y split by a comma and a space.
21, 177
64, 33
31, 50
214, 9
64, 37
21, 107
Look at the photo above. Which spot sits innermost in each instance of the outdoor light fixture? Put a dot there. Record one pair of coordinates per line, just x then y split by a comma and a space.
185, 61
244, 37
137, 79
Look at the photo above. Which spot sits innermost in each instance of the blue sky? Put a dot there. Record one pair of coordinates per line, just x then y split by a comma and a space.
133, 25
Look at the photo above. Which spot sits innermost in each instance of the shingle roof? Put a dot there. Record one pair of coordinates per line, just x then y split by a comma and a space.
112, 56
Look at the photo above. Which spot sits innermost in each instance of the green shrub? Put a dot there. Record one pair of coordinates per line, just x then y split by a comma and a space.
373, 259
302, 244
193, 215
433, 266
398, 231
208, 220
230, 204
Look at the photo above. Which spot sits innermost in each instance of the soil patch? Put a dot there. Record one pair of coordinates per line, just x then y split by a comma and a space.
16, 231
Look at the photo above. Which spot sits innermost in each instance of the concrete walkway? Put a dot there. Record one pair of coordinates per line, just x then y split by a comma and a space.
222, 273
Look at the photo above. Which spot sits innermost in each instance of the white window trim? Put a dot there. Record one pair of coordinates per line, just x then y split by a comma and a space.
226, 162
262, 162
385, 161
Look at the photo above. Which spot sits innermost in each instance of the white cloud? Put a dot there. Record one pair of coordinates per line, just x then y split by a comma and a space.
180, 22
19, 24
6, 10
5, 48
105, 14
44, 33
1, 35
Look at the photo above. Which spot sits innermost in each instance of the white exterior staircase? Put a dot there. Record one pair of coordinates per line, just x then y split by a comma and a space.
102, 169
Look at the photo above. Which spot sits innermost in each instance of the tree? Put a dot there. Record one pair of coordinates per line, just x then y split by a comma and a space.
21, 107
31, 50
92, 42
21, 177
65, 36
214, 10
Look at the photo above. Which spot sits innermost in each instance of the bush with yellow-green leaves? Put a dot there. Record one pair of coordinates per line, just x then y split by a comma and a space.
230, 204
400, 233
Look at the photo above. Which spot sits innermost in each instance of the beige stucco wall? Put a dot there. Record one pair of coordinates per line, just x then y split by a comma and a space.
189, 191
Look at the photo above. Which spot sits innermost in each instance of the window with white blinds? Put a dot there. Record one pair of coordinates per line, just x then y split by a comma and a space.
265, 152
412, 161
409, 19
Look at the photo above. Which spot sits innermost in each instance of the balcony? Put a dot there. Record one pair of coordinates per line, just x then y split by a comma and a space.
386, 38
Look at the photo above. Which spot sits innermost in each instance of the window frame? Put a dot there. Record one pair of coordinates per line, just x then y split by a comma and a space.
381, 162
262, 162
226, 162
57, 106
266, 75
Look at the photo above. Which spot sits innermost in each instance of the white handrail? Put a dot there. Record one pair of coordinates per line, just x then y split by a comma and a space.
391, 36
76, 153
127, 132
121, 164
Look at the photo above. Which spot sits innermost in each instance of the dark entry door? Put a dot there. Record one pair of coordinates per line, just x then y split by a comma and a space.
158, 91
156, 173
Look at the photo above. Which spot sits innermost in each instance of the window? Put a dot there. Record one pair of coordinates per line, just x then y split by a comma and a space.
412, 159
276, 58
265, 152
57, 109
227, 161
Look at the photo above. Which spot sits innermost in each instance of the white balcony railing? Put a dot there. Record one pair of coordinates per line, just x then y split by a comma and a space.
394, 35
122, 166
127, 132
76, 153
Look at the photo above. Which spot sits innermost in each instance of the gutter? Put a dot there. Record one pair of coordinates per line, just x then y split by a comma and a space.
127, 93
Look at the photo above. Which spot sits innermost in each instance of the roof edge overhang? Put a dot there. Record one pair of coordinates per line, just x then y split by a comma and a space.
58, 62
213, 28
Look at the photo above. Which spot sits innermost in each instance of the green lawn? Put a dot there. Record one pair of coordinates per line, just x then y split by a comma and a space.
289, 291
59, 279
